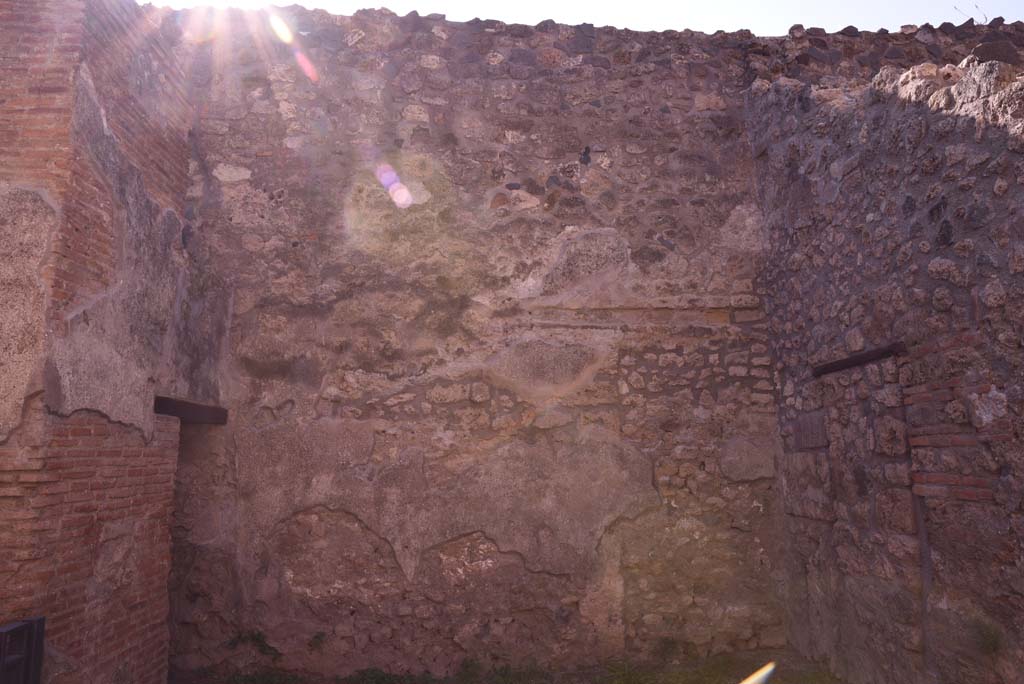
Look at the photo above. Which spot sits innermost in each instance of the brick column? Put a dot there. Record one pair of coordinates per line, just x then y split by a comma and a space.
85, 502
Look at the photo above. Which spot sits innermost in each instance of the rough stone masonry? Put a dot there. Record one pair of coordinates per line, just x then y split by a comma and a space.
559, 409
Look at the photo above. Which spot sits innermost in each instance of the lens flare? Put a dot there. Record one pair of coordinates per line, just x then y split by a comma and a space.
285, 34
281, 29
388, 177
401, 196
307, 66
199, 25
761, 676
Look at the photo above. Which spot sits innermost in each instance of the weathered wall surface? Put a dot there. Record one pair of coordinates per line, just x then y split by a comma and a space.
133, 316
529, 417
39, 47
25, 229
895, 215
547, 401
102, 309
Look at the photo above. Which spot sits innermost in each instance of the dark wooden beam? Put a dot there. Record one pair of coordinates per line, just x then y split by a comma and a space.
190, 412
859, 359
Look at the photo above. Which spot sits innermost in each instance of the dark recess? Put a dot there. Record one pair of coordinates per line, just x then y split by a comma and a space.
190, 412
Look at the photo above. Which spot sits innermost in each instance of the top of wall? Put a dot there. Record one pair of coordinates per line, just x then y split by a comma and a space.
806, 53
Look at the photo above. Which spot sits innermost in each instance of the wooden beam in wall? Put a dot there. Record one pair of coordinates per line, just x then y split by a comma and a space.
859, 359
190, 412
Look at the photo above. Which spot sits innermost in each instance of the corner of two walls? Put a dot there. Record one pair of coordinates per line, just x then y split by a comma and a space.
91, 183
890, 214
525, 321
529, 417
895, 216
130, 322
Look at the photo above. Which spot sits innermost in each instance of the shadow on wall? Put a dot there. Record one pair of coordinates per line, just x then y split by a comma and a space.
899, 219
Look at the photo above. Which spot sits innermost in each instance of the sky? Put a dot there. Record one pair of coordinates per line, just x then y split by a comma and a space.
762, 17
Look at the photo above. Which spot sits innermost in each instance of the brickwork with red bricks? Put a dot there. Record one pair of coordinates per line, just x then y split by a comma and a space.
24, 564
40, 48
85, 503
949, 452
43, 46
122, 45
87, 542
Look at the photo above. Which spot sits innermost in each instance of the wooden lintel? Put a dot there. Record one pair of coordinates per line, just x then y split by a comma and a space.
859, 359
190, 411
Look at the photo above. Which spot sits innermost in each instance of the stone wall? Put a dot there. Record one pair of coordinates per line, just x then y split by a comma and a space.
895, 217
528, 418
515, 326
566, 286
521, 407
